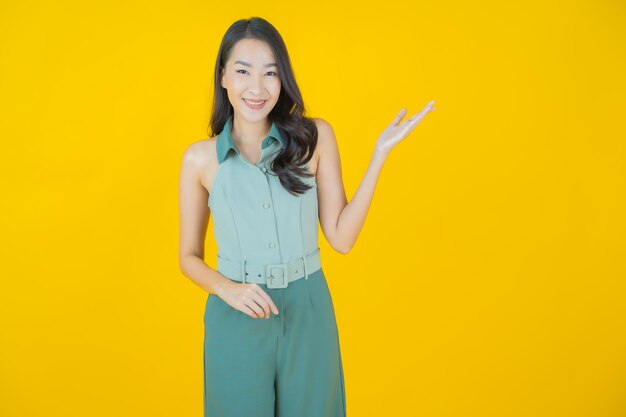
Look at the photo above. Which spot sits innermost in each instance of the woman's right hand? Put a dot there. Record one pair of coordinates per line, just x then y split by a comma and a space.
249, 298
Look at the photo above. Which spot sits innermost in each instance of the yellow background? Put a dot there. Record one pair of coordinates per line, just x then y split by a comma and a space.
487, 281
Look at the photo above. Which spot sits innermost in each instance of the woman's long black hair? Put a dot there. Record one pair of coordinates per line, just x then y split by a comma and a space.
298, 130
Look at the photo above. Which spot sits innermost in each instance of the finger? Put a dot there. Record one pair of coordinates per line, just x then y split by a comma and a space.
248, 301
267, 298
427, 108
417, 117
252, 299
257, 297
247, 310
262, 302
256, 308
398, 117
413, 121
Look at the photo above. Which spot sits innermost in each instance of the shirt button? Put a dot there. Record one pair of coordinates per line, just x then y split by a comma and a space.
263, 169
266, 205
277, 318
272, 244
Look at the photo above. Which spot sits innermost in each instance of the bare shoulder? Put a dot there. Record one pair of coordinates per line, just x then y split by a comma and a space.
326, 140
323, 128
199, 152
325, 135
201, 158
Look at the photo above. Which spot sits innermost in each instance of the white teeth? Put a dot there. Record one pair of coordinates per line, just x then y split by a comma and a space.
255, 103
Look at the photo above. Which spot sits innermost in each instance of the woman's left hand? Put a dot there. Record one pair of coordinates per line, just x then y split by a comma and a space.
395, 132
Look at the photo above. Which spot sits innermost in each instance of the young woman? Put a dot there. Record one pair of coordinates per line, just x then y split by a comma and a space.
271, 343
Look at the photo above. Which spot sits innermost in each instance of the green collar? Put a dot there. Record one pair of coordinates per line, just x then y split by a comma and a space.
225, 141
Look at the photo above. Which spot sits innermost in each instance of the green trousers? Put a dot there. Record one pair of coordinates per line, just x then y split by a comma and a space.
286, 366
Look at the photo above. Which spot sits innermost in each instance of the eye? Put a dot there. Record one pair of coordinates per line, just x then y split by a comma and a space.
271, 72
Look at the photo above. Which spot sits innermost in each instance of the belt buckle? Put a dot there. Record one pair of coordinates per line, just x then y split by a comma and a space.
277, 281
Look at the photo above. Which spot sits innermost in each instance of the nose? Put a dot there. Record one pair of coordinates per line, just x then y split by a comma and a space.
256, 85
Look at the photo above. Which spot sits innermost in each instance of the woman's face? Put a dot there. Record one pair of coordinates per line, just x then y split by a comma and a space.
251, 73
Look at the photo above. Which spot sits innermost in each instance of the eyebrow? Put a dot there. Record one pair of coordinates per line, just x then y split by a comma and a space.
271, 64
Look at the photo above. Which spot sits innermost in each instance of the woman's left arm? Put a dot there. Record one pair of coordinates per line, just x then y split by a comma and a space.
342, 221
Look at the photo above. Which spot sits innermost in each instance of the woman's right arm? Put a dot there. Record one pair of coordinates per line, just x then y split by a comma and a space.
194, 216
249, 298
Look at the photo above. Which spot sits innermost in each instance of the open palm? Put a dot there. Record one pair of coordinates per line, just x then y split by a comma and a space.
395, 132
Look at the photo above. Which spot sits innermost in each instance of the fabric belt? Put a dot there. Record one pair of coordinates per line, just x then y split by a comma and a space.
272, 275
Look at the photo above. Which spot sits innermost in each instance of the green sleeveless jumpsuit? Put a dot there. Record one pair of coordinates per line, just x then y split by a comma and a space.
290, 364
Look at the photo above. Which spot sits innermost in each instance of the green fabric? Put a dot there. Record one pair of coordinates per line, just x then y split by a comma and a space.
255, 218
290, 364
286, 366
225, 141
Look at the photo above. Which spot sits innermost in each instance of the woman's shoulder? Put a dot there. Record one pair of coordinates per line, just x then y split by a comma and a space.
201, 153
200, 160
320, 123
325, 133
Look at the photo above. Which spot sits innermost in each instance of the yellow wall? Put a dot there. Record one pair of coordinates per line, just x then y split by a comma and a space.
489, 277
